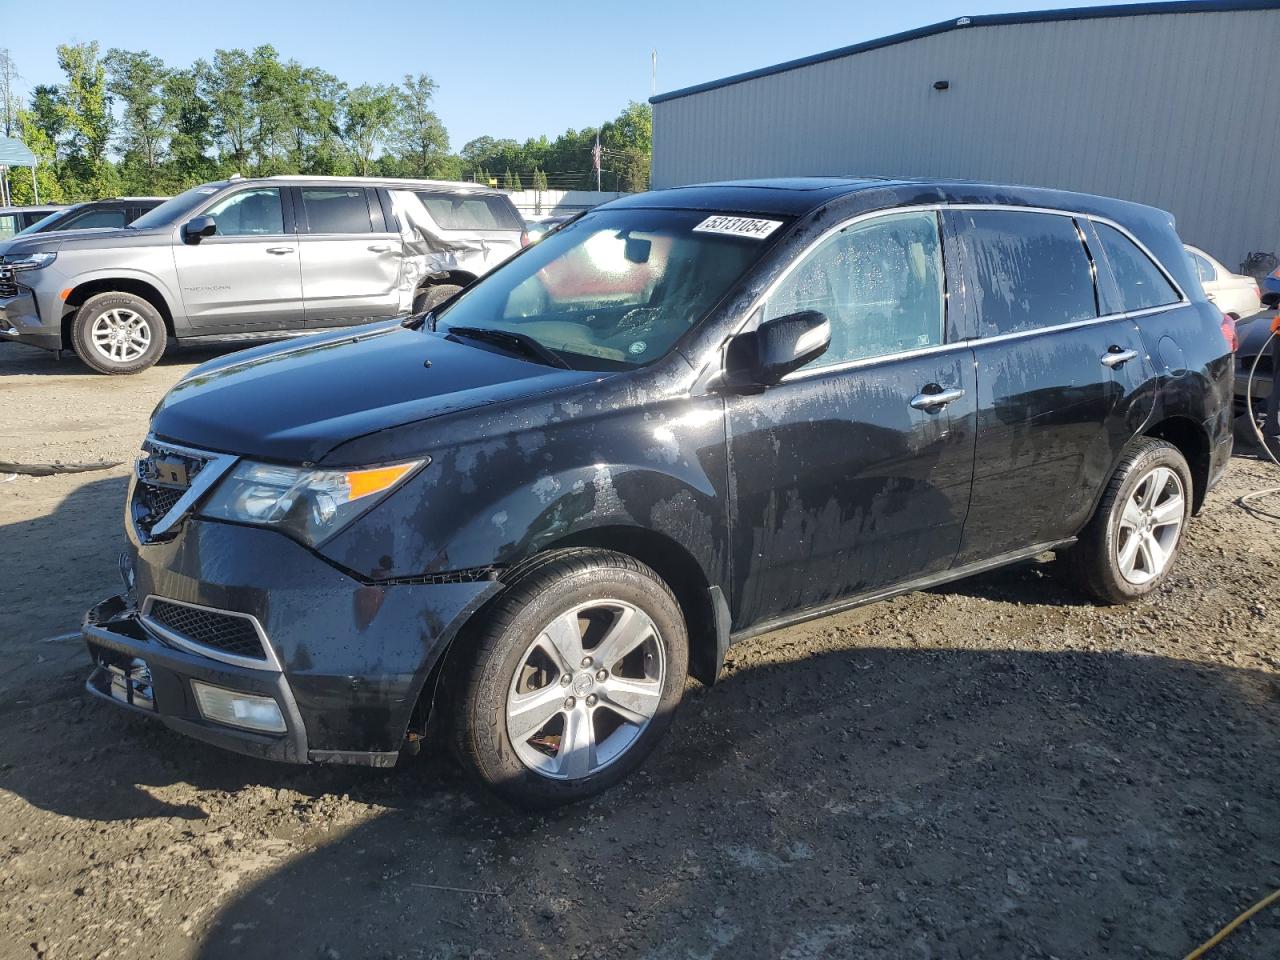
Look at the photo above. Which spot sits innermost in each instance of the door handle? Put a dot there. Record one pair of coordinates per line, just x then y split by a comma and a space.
936, 401
1116, 357
279, 250
379, 247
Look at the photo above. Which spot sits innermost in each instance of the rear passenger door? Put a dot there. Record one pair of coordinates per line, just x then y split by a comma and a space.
1058, 378
351, 259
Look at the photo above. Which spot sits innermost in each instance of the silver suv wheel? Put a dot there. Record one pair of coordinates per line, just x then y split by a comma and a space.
585, 689
1150, 525
120, 335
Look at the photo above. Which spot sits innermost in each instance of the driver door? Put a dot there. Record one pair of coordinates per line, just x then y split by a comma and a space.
248, 275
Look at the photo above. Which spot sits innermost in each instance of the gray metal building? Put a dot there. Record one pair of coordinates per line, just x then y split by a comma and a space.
1172, 104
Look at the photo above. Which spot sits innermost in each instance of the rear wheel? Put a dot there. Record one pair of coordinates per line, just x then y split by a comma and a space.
575, 674
118, 333
1133, 539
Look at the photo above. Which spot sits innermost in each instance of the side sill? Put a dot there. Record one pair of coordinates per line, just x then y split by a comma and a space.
922, 583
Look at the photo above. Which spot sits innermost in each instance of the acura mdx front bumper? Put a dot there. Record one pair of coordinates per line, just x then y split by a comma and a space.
244, 638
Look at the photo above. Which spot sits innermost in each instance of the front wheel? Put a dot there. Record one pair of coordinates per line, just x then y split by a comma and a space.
428, 298
1131, 543
573, 677
118, 333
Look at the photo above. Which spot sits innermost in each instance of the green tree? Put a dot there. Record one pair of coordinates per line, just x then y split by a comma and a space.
368, 112
418, 134
539, 180
86, 110
10, 102
225, 84
137, 80
190, 121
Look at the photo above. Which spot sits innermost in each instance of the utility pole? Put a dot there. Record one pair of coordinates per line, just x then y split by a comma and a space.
595, 160
653, 59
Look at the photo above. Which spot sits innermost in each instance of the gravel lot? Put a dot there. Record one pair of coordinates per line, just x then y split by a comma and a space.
988, 770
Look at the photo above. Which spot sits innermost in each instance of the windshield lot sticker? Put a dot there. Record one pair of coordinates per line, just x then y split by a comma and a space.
738, 226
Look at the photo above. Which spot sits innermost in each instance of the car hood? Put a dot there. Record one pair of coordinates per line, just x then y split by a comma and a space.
92, 237
295, 402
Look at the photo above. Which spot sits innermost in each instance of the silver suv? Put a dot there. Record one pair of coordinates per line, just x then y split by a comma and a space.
252, 257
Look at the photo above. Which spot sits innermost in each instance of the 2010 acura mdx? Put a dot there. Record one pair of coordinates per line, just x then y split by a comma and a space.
689, 417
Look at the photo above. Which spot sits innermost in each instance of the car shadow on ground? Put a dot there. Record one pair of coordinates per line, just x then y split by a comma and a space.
869, 801
21, 359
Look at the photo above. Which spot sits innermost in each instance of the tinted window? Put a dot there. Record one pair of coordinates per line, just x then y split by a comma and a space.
1140, 281
1204, 268
460, 211
336, 209
1030, 270
8, 225
248, 212
95, 218
879, 283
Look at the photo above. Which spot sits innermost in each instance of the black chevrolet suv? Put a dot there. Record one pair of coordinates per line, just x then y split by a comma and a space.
690, 417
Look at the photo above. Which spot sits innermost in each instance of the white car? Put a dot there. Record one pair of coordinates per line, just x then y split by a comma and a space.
1235, 295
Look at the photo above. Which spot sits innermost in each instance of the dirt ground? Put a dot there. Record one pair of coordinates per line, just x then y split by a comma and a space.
993, 769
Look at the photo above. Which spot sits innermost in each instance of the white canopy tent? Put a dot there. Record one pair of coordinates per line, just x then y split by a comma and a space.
15, 153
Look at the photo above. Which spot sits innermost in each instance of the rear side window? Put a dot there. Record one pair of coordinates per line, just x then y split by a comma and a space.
8, 225
1030, 271
1204, 268
96, 218
1141, 283
460, 211
336, 209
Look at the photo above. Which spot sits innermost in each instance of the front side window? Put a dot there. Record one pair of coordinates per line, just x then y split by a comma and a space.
1141, 283
336, 209
1029, 270
880, 283
614, 289
249, 213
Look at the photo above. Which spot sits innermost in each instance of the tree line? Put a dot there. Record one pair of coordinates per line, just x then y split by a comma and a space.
125, 123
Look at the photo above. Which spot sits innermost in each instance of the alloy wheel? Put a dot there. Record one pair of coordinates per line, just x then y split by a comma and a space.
585, 689
120, 335
1150, 526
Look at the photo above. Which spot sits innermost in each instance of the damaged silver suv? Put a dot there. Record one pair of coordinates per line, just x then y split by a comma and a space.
252, 257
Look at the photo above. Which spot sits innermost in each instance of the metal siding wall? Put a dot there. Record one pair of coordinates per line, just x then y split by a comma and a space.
1170, 110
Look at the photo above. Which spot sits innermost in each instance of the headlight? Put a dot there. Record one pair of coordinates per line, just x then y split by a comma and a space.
32, 261
308, 505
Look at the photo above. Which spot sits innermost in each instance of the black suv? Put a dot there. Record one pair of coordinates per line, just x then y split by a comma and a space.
689, 417
109, 214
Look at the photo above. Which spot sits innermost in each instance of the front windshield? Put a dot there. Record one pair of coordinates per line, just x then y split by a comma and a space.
175, 208
47, 220
615, 289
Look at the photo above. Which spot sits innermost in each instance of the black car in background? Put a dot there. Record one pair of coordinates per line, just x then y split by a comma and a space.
114, 213
689, 417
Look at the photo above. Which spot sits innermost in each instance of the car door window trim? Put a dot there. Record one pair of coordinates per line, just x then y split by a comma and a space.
753, 313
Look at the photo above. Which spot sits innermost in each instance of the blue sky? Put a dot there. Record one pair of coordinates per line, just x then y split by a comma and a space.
503, 69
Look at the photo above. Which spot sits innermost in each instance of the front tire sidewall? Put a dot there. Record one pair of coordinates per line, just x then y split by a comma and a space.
93, 308
491, 749
1119, 589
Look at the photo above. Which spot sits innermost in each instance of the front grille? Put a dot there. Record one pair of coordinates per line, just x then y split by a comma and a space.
221, 631
8, 285
163, 476
158, 501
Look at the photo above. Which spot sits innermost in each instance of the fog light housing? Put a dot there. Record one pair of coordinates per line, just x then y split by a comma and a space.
236, 709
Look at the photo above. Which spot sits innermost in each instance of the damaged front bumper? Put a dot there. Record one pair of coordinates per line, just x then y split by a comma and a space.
342, 661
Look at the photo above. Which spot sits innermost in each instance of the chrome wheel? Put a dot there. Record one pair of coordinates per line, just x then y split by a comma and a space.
120, 335
585, 689
1150, 526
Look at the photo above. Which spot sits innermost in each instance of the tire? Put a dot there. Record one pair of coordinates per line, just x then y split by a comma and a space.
1116, 559
118, 333
428, 298
510, 674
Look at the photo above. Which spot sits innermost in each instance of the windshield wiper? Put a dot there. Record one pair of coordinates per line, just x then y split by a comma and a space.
521, 342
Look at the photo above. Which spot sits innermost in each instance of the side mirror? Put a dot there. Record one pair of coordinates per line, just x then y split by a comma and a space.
197, 228
1271, 299
777, 347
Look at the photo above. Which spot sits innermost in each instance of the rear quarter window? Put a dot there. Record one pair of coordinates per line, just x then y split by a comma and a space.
1029, 270
1141, 283
460, 211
